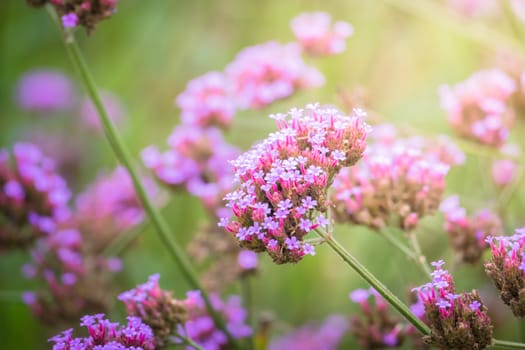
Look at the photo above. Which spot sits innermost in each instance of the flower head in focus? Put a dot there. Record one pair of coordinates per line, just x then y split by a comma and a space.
283, 180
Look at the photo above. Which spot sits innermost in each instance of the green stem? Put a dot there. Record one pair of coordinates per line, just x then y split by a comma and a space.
503, 344
374, 282
248, 305
513, 21
122, 154
420, 258
189, 341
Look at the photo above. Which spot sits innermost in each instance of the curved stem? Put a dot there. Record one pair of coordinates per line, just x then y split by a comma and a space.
374, 282
503, 344
122, 154
420, 258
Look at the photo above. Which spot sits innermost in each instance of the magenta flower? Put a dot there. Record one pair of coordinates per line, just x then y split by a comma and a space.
503, 172
268, 72
89, 115
284, 179
70, 20
207, 101
33, 197
477, 108
325, 336
456, 321
45, 91
106, 335
506, 268
316, 34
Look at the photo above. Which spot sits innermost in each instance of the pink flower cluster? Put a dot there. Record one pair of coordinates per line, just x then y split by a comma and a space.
377, 329
268, 72
208, 101
456, 321
468, 235
201, 328
75, 280
506, 268
155, 307
45, 91
284, 180
196, 161
110, 206
477, 108
503, 172
389, 182
107, 335
31, 192
316, 34
325, 336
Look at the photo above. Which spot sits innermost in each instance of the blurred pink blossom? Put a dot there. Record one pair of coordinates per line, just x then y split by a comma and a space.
112, 104
503, 171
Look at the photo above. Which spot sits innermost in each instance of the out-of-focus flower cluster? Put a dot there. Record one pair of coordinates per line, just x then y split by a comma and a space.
33, 197
284, 180
376, 329
86, 13
107, 335
225, 260
392, 180
506, 268
456, 321
325, 336
316, 34
468, 235
196, 161
477, 108
155, 307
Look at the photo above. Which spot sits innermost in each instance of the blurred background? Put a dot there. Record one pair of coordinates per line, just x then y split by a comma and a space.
399, 54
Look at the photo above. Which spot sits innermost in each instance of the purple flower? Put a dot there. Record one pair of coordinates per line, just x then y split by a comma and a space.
247, 259
70, 20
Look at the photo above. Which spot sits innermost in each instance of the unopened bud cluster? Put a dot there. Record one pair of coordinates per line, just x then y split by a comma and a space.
506, 268
456, 321
284, 180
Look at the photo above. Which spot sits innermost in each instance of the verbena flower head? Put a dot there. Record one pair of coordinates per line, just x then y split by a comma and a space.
477, 108
222, 259
89, 115
107, 335
316, 34
76, 280
45, 91
506, 268
86, 13
376, 328
201, 328
325, 336
110, 206
466, 234
155, 307
390, 182
33, 197
503, 172
196, 161
207, 101
456, 321
283, 180
268, 72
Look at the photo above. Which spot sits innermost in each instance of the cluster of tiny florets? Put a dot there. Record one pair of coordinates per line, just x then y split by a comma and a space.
318, 36
156, 307
284, 180
506, 268
477, 108
201, 328
264, 73
326, 336
466, 234
107, 335
33, 197
389, 182
196, 161
377, 328
456, 321
86, 13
